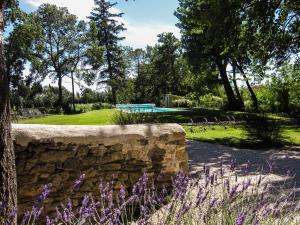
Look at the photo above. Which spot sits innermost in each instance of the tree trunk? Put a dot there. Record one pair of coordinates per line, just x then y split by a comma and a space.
109, 67
8, 181
252, 94
60, 94
236, 88
114, 95
73, 92
232, 102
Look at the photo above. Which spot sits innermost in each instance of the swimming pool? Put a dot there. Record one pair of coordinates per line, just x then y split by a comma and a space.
145, 108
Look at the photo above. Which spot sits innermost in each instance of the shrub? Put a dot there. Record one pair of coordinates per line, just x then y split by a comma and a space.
98, 106
214, 197
211, 101
124, 118
263, 130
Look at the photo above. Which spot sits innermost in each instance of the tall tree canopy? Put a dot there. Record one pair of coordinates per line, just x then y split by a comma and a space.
105, 22
249, 35
58, 47
165, 77
209, 32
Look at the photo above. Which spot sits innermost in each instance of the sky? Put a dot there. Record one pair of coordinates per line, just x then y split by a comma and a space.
144, 19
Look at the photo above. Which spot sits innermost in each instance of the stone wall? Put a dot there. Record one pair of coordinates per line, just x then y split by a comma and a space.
60, 154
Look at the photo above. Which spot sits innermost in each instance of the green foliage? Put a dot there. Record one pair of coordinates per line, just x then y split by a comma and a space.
60, 46
263, 130
106, 29
281, 92
165, 77
48, 100
98, 106
211, 102
123, 118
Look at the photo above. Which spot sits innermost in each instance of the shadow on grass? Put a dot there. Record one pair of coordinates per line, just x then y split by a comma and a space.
257, 132
243, 143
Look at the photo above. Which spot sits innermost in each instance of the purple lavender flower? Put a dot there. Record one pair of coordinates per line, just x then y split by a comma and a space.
36, 212
58, 215
12, 217
160, 177
44, 194
48, 221
122, 194
201, 198
134, 189
180, 185
67, 213
207, 181
87, 207
161, 197
246, 185
241, 219
78, 183
25, 218
213, 203
116, 217
233, 191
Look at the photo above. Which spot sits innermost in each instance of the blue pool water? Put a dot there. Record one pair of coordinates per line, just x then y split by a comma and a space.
144, 108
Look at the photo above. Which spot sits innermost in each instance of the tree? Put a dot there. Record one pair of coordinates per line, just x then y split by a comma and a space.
141, 76
210, 29
8, 180
266, 37
104, 22
164, 58
56, 49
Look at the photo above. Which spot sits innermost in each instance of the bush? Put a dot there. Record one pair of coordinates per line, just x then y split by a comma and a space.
98, 106
184, 103
263, 130
217, 198
123, 118
210, 101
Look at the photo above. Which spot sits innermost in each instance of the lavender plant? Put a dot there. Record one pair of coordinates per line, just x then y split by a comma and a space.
214, 197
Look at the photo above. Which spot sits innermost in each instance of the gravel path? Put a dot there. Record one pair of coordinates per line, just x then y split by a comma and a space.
201, 154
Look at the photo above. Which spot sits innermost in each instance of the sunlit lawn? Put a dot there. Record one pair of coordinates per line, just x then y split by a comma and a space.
236, 136
98, 117
230, 135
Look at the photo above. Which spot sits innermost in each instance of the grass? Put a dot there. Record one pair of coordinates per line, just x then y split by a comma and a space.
216, 134
84, 107
237, 136
98, 117
232, 135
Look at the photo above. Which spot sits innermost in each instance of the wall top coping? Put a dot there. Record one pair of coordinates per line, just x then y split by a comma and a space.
23, 134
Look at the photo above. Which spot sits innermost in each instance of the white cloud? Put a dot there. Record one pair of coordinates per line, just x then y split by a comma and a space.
138, 34
81, 9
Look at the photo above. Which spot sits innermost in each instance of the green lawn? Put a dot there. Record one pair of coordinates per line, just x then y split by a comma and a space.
98, 117
216, 134
236, 136
231, 135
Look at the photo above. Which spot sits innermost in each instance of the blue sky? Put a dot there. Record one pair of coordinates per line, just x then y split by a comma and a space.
144, 19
